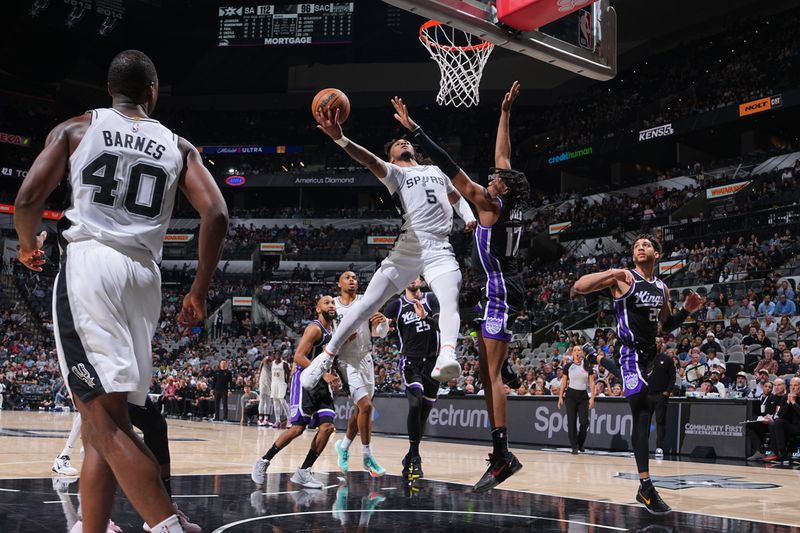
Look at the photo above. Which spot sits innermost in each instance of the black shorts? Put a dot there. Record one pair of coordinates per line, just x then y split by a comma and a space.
310, 408
417, 374
501, 300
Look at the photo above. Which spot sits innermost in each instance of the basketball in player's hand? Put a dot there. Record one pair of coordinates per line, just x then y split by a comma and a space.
331, 99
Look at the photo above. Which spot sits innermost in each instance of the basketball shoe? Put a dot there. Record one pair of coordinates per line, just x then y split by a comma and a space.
306, 478
652, 501
343, 459
447, 366
61, 466
500, 469
259, 472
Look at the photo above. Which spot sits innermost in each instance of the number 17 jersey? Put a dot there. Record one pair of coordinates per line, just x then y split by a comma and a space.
123, 178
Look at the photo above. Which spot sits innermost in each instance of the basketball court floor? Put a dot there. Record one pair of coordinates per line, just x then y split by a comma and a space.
555, 491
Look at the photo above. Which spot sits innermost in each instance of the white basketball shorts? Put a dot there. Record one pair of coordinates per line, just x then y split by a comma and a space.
418, 253
106, 306
360, 375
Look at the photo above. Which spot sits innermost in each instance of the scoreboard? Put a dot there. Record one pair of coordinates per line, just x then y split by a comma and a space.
286, 24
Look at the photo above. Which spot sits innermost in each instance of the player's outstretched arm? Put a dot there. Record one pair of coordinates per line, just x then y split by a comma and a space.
617, 279
669, 320
329, 125
463, 210
311, 336
468, 188
502, 145
203, 193
45, 174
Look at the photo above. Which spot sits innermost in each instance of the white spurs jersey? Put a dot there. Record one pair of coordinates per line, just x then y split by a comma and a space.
420, 194
123, 177
361, 345
278, 371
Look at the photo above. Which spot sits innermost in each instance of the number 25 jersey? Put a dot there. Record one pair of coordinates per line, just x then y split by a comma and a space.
123, 178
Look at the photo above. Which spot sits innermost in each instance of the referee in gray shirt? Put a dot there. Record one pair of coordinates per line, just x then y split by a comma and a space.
577, 380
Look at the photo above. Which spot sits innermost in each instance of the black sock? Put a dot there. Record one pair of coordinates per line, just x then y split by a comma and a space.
310, 458
500, 441
646, 483
413, 448
271, 453
167, 481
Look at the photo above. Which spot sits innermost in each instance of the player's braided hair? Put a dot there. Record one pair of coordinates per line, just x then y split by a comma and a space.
519, 190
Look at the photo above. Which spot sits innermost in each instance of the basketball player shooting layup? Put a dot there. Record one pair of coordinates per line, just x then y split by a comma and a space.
497, 239
358, 370
310, 408
424, 196
124, 171
641, 302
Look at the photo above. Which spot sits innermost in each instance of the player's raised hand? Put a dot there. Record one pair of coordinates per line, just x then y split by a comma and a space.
623, 275
376, 319
401, 114
34, 259
693, 302
419, 309
329, 123
511, 95
193, 309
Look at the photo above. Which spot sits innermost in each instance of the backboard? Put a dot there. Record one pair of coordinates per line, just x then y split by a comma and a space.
565, 43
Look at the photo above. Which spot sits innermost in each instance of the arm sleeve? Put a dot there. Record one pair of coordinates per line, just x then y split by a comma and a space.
463, 210
440, 158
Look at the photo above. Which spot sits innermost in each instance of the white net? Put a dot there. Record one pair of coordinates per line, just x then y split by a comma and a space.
461, 57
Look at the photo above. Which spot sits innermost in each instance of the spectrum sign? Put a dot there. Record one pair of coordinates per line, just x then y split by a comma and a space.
566, 156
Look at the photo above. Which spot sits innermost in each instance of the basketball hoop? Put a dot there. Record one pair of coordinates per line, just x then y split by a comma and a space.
461, 57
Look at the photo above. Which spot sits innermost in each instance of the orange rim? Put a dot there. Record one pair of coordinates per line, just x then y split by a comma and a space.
423, 36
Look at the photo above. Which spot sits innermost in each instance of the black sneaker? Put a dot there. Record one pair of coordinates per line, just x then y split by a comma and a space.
412, 467
574, 451
500, 469
652, 501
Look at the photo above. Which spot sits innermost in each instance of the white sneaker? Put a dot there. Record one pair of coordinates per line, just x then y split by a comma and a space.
446, 367
61, 466
659, 453
311, 374
306, 478
259, 473
187, 526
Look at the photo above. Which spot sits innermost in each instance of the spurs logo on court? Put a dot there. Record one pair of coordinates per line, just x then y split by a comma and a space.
700, 481
83, 374
494, 325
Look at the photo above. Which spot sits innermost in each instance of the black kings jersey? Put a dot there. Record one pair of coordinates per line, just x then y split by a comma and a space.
638, 311
496, 246
326, 338
418, 338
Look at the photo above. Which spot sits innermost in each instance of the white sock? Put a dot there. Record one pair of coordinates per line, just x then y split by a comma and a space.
346, 443
168, 525
74, 433
446, 287
365, 450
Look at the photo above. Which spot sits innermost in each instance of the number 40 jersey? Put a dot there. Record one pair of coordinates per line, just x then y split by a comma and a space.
123, 177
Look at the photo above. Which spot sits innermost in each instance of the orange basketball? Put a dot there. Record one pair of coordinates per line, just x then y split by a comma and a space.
331, 99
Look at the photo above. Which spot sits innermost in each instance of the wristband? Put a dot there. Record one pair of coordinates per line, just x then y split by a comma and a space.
342, 141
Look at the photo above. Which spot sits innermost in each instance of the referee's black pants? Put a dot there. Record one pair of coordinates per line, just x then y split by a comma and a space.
577, 402
659, 402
